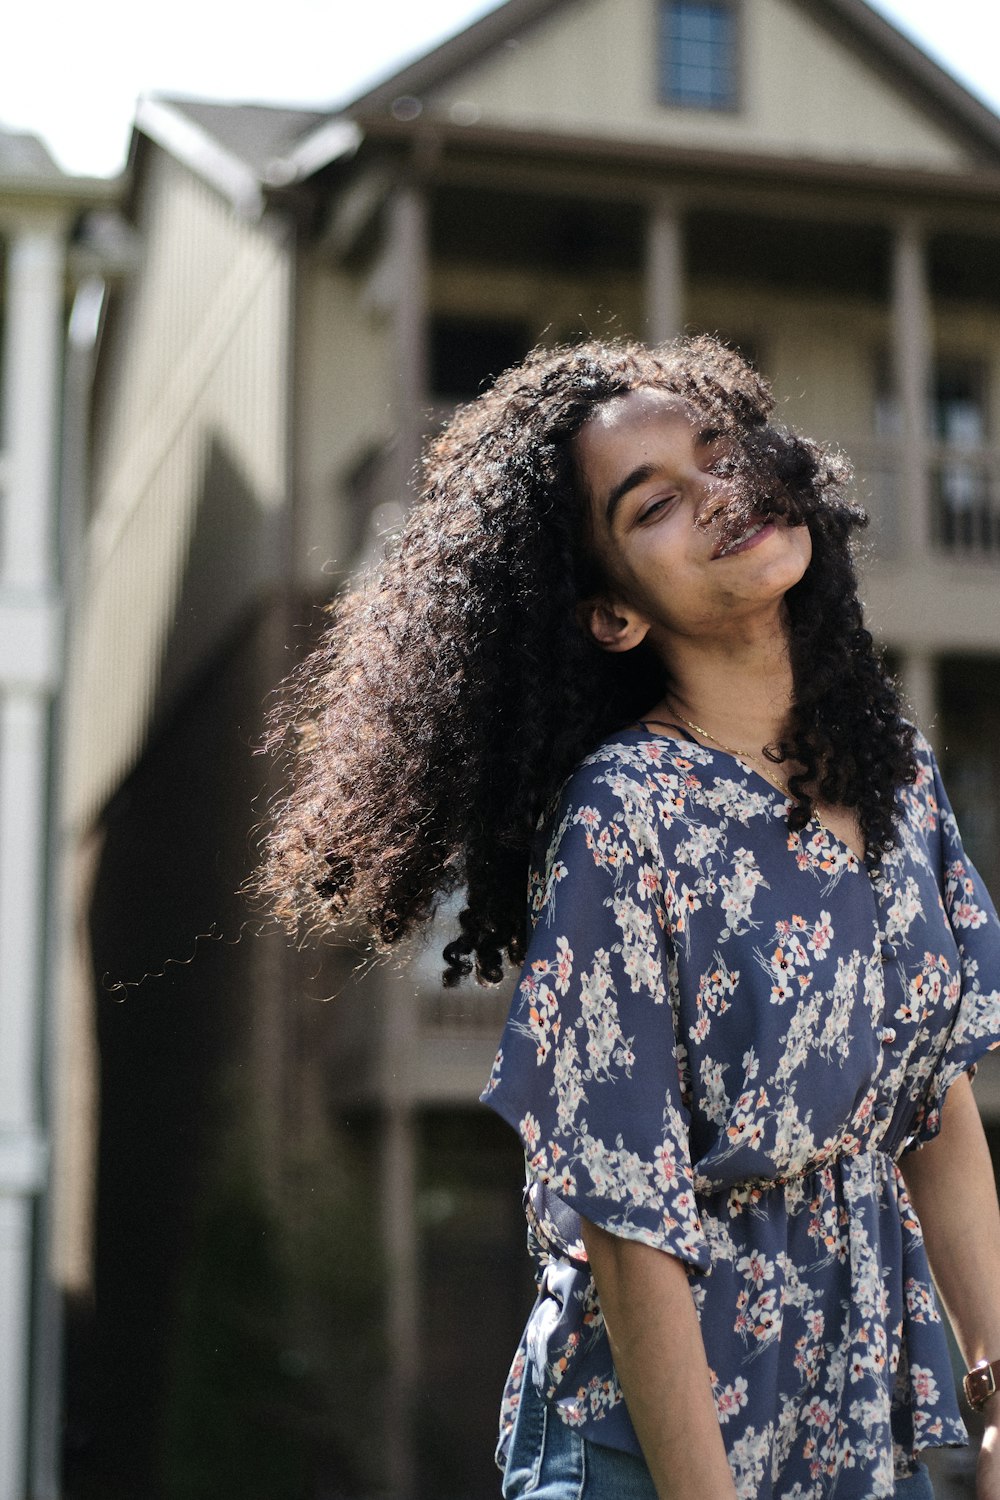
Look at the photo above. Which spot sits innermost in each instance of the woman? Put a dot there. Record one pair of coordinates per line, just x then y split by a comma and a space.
759, 968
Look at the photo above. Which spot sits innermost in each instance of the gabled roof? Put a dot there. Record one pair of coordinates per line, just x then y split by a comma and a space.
27, 171
257, 135
467, 47
245, 149
854, 22
937, 87
24, 155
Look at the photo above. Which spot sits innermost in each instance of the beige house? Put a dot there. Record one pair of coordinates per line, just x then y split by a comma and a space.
44, 310
315, 294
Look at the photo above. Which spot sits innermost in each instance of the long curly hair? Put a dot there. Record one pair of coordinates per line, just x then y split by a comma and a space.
455, 689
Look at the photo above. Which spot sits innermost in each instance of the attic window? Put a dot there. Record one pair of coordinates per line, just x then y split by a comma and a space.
698, 53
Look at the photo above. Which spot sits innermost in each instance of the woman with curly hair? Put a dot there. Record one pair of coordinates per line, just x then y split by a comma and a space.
617, 658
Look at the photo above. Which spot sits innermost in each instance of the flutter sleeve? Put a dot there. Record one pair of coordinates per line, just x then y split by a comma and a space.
589, 1071
974, 1027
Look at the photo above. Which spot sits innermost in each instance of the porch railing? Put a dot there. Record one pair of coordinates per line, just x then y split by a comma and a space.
964, 499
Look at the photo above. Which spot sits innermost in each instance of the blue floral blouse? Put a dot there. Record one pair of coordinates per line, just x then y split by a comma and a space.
724, 1036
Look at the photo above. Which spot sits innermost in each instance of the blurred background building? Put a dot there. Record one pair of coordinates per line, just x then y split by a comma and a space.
40, 210
286, 1240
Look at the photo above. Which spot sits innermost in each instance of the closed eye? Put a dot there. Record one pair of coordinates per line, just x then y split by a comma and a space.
655, 508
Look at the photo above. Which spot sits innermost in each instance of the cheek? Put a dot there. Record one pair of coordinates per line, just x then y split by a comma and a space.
622, 568
803, 541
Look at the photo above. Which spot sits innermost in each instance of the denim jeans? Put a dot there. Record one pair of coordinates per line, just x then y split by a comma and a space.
549, 1461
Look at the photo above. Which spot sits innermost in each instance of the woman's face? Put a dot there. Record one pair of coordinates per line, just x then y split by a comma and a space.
661, 513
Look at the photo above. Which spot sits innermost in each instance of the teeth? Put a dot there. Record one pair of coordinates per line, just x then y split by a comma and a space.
744, 536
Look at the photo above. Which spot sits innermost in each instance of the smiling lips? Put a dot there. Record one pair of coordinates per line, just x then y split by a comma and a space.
745, 539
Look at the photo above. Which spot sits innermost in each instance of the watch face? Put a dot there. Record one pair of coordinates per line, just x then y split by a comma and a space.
980, 1383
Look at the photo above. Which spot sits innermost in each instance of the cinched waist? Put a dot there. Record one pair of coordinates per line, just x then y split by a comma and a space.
863, 1151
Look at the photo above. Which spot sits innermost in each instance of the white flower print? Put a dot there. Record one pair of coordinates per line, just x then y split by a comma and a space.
568, 1082
731, 1399
923, 1384
733, 1110
564, 965
543, 1016
959, 893
739, 890
715, 1101
756, 1268
903, 911
782, 966
557, 872
701, 843
605, 1042
821, 935
530, 1131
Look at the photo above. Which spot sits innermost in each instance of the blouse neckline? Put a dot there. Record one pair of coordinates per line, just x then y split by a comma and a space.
859, 863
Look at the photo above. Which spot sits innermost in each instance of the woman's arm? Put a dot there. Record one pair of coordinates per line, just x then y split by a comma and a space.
658, 1352
950, 1181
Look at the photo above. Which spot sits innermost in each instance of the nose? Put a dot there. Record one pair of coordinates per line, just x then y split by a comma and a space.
715, 498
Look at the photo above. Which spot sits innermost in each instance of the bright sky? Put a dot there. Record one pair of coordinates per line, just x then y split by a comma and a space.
72, 73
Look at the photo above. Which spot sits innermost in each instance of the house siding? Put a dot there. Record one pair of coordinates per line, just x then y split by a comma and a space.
193, 444
590, 68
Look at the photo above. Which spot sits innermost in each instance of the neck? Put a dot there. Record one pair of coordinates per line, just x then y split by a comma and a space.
741, 692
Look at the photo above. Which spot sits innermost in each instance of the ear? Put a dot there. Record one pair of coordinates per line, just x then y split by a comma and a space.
615, 627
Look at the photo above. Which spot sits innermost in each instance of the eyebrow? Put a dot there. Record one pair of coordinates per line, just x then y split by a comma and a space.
631, 481
644, 472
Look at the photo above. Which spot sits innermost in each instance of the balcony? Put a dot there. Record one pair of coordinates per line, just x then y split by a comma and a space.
965, 501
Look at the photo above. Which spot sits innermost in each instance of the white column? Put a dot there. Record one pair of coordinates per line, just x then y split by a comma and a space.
23, 766
664, 271
405, 291
912, 350
400, 1039
65, 1221
23, 751
28, 678
15, 1282
409, 256
32, 343
918, 674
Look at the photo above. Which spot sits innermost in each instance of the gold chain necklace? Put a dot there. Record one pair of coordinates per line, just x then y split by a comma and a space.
766, 767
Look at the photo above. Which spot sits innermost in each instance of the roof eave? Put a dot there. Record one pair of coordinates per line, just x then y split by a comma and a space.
941, 87
189, 143
337, 139
161, 121
431, 141
66, 192
460, 51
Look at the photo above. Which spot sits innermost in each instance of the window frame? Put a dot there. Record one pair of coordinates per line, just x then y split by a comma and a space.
734, 103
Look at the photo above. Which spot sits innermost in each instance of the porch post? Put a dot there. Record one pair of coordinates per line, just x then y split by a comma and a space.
409, 256
408, 262
918, 673
912, 356
664, 271
400, 1040
29, 666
